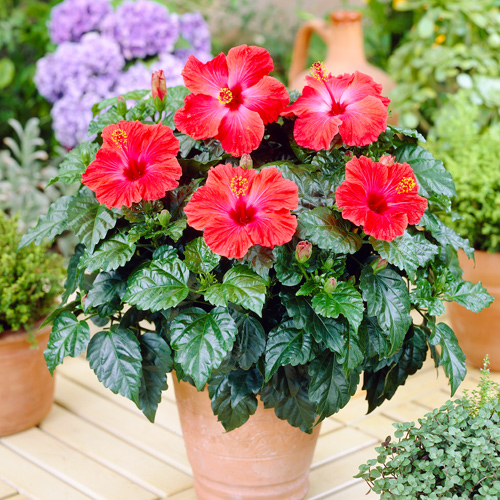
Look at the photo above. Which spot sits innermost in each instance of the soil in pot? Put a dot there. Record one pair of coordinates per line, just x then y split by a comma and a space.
265, 459
26, 388
479, 333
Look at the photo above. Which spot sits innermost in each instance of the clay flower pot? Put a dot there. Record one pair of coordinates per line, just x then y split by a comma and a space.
265, 459
26, 388
479, 333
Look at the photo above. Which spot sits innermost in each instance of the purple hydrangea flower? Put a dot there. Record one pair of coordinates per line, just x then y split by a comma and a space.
89, 66
71, 19
172, 67
71, 116
142, 28
137, 77
183, 55
194, 29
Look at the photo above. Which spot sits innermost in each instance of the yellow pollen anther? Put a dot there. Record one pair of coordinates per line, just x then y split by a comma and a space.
225, 96
119, 137
239, 185
406, 185
319, 71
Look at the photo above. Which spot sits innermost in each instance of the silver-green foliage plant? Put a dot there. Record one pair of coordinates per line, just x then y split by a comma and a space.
452, 45
472, 156
454, 453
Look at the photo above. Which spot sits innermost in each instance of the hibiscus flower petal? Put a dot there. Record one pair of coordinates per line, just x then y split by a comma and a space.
363, 121
270, 190
161, 142
206, 78
351, 198
200, 117
385, 226
123, 134
159, 178
360, 86
271, 229
247, 65
227, 238
315, 98
268, 97
316, 130
240, 131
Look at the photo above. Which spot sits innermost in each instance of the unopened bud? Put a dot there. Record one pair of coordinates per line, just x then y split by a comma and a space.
159, 89
329, 263
246, 161
379, 264
330, 285
387, 160
121, 105
164, 218
83, 301
303, 251
352, 280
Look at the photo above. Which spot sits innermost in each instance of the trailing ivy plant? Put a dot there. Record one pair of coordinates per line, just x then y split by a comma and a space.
298, 325
453, 453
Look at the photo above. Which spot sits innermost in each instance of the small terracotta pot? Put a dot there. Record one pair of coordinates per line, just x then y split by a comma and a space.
479, 333
265, 459
26, 386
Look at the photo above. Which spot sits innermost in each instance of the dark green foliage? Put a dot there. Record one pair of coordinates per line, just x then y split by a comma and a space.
30, 280
453, 453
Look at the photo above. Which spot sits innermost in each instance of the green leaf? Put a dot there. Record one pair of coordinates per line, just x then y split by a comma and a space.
176, 228
112, 253
326, 228
115, 357
345, 300
387, 298
407, 132
160, 285
69, 337
422, 295
250, 343
198, 256
233, 396
431, 175
286, 345
135, 95
73, 272
472, 296
202, 340
287, 270
156, 361
90, 220
75, 163
287, 393
102, 120
444, 234
452, 357
50, 225
175, 101
165, 252
241, 286
407, 252
7, 71
107, 287
324, 330
373, 339
260, 259
330, 389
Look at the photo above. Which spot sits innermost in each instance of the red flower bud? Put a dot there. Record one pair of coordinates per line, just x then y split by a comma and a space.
246, 161
158, 85
379, 264
303, 251
330, 285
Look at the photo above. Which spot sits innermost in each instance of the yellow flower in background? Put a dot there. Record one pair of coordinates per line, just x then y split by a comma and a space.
397, 3
440, 39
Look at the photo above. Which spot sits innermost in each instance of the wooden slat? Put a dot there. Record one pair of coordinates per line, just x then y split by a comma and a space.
75, 468
339, 443
185, 495
19, 497
406, 412
126, 425
6, 490
135, 464
377, 425
357, 491
34, 481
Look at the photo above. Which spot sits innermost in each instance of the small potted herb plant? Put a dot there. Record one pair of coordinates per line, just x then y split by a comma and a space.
268, 247
454, 452
470, 153
30, 282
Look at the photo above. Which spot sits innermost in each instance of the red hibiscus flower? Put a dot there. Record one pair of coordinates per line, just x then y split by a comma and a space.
232, 99
240, 208
380, 196
348, 104
136, 162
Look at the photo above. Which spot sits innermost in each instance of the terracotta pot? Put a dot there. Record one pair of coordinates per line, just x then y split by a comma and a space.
26, 388
265, 459
343, 37
479, 333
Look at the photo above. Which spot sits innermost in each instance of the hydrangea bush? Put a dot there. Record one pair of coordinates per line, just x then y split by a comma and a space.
101, 53
262, 243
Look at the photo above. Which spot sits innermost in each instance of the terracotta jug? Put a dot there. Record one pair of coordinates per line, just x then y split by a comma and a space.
343, 36
26, 388
265, 459
479, 333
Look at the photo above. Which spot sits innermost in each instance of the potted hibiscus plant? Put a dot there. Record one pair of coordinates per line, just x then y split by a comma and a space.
268, 247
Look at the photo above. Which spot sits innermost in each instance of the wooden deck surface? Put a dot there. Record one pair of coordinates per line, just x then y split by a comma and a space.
95, 445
